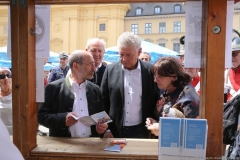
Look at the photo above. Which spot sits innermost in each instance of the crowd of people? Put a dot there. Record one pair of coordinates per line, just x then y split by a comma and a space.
133, 92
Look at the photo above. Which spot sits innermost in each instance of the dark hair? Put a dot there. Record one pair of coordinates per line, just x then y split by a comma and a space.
168, 67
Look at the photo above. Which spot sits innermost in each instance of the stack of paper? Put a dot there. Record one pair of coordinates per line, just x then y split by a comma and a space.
181, 139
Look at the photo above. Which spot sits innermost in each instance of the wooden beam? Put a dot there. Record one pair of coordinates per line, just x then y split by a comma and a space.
99, 1
24, 75
212, 73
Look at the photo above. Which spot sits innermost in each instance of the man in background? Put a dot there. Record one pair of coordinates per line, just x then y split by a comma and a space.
61, 70
145, 56
195, 75
232, 75
96, 47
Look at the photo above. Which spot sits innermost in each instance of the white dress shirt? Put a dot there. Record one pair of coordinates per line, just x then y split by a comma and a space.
80, 107
132, 96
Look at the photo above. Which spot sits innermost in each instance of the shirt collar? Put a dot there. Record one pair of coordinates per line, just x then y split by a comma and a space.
138, 67
72, 82
100, 65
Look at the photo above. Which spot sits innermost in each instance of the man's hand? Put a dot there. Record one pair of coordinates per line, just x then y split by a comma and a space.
101, 128
70, 120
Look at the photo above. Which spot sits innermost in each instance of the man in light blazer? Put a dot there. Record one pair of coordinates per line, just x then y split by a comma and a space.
128, 90
73, 95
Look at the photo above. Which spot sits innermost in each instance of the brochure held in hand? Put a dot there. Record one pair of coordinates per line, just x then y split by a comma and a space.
98, 118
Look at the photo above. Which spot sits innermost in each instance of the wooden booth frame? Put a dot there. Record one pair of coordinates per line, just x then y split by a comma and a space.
24, 76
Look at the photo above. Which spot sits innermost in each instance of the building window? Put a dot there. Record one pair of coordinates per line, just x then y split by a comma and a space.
176, 47
161, 44
162, 27
102, 27
177, 8
157, 10
177, 26
134, 28
138, 11
148, 28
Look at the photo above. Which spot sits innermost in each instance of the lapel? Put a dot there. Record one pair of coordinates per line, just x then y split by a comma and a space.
120, 75
69, 88
89, 94
145, 76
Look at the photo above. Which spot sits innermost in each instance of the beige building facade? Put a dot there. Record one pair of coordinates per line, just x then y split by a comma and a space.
72, 25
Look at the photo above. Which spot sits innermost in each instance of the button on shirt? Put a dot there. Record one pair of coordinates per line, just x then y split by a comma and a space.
132, 96
80, 107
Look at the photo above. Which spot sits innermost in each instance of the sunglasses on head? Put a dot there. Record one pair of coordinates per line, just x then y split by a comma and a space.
234, 54
2, 76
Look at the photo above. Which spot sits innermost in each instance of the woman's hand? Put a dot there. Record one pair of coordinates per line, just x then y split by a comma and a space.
154, 128
150, 121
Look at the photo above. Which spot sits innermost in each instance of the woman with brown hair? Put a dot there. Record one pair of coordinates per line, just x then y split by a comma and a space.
179, 99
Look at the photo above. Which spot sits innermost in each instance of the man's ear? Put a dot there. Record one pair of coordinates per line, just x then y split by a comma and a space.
139, 51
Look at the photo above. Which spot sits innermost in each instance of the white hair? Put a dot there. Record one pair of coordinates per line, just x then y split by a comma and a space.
93, 40
128, 39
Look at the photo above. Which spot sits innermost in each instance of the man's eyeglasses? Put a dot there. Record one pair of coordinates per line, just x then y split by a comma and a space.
2, 76
92, 64
234, 54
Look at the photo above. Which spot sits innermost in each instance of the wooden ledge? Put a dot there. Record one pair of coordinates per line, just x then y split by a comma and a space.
89, 148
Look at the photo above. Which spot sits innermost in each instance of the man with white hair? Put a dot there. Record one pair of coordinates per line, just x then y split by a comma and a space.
73, 95
97, 47
128, 90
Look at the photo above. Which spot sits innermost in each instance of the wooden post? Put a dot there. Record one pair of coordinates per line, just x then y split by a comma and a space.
212, 73
24, 75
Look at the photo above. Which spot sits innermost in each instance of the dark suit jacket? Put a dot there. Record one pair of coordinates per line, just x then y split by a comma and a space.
59, 101
97, 77
112, 89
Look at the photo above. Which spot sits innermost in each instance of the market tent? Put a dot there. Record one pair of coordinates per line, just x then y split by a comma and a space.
156, 52
5, 61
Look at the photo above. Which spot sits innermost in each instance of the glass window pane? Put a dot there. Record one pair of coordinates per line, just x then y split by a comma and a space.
177, 9
134, 28
162, 27
176, 47
102, 27
138, 11
148, 28
161, 44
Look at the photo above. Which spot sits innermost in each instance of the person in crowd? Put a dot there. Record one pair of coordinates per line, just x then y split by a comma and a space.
97, 47
182, 51
232, 75
195, 77
7, 149
61, 70
128, 90
179, 98
72, 95
6, 97
145, 56
46, 75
